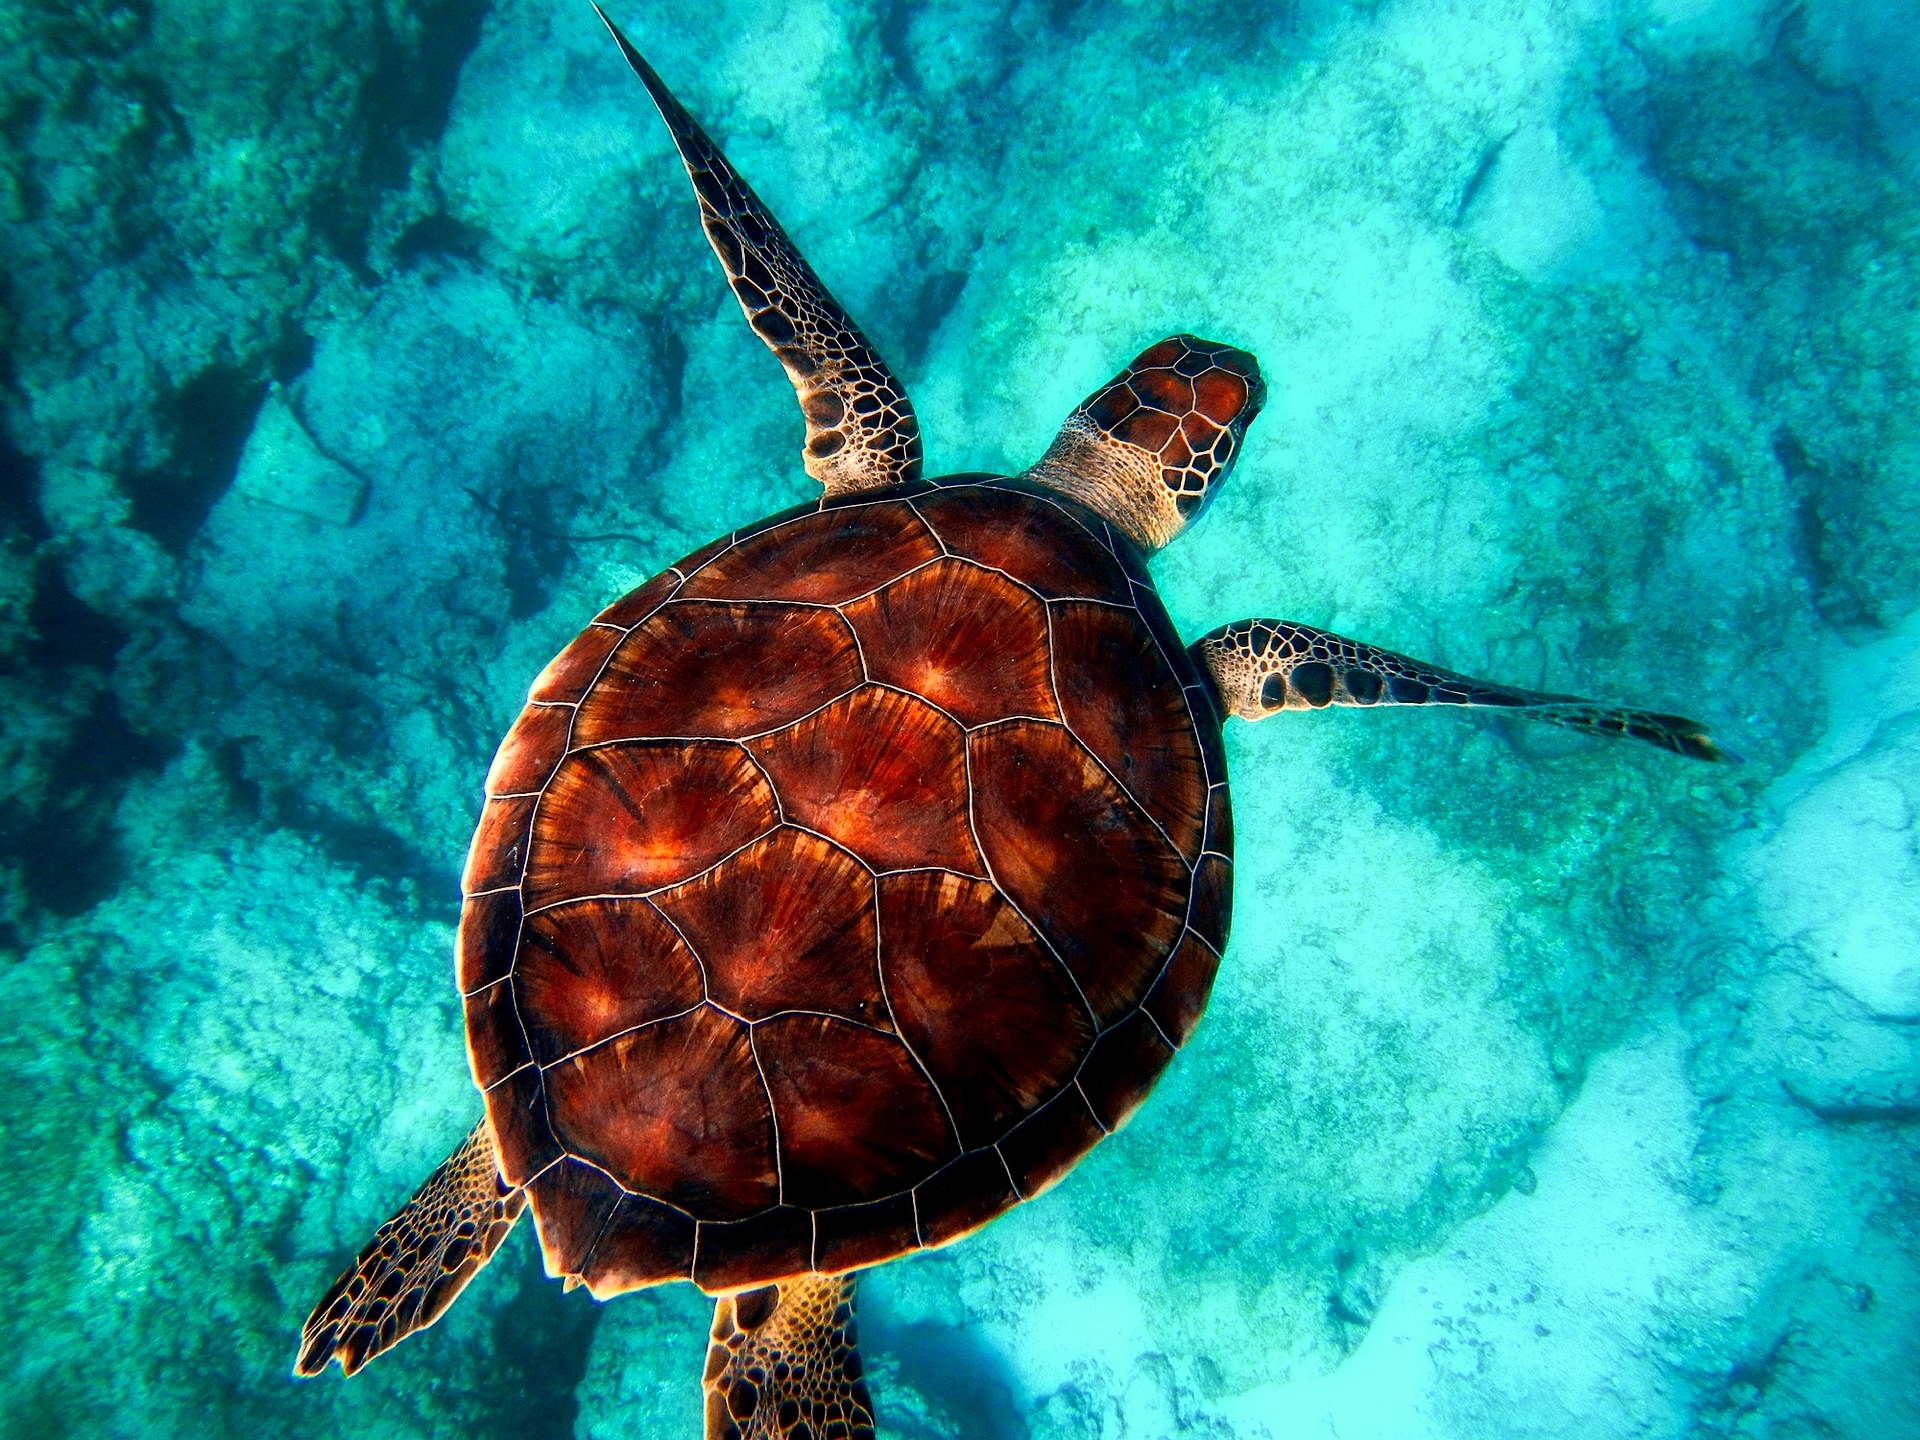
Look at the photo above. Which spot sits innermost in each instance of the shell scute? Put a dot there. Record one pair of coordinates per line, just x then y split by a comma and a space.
1047, 1144
526, 758
636, 605
572, 1205
851, 1235
994, 1017
627, 819
1029, 538
675, 1110
968, 639
496, 1045
784, 924
1180, 994
590, 969
730, 1254
1122, 1068
644, 1243
489, 935
963, 1196
1213, 901
1079, 858
857, 1119
498, 853
1219, 821
882, 773
699, 668
523, 1137
825, 558
569, 673
1149, 746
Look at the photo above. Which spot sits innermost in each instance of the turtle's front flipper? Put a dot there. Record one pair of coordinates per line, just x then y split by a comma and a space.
416, 1263
784, 1363
1261, 667
861, 431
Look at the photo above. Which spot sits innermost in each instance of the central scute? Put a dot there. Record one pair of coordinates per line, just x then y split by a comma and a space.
840, 887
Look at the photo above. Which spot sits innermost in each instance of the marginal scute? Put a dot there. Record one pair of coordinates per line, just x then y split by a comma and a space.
1147, 744
1122, 1068
676, 1111
785, 924
569, 673
496, 1047
881, 772
593, 968
636, 605
499, 849
517, 1111
697, 668
1207, 720
1079, 858
963, 1197
1028, 537
626, 819
530, 751
1179, 996
1213, 901
994, 1017
1220, 821
770, 1246
969, 640
857, 1120
489, 934
700, 558
1046, 1146
853, 1235
644, 1243
572, 1204
823, 557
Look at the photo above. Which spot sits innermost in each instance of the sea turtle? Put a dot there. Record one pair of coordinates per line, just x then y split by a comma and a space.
843, 885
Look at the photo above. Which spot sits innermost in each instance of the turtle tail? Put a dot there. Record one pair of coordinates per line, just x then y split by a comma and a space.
416, 1263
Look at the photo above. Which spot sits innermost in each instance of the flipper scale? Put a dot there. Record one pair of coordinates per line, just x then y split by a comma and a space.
784, 1364
861, 429
416, 1263
1261, 667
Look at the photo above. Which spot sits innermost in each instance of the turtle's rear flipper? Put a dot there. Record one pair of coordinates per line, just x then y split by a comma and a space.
861, 430
1261, 667
784, 1362
417, 1263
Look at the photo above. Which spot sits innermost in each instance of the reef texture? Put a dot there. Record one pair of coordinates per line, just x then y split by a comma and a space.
357, 355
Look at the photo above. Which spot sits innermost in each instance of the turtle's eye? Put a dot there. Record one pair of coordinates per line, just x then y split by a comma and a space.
1273, 692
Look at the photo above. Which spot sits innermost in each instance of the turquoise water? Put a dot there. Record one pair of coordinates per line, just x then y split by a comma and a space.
356, 355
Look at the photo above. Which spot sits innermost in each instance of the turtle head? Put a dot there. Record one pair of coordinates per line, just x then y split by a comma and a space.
1150, 449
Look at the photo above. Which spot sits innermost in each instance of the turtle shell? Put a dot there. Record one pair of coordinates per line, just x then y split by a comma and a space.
841, 886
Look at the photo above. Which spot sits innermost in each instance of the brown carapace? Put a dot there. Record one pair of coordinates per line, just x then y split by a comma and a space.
840, 887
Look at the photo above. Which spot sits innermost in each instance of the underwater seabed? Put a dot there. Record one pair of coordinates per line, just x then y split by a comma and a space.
357, 355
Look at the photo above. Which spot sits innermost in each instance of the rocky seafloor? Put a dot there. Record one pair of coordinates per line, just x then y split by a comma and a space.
355, 354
